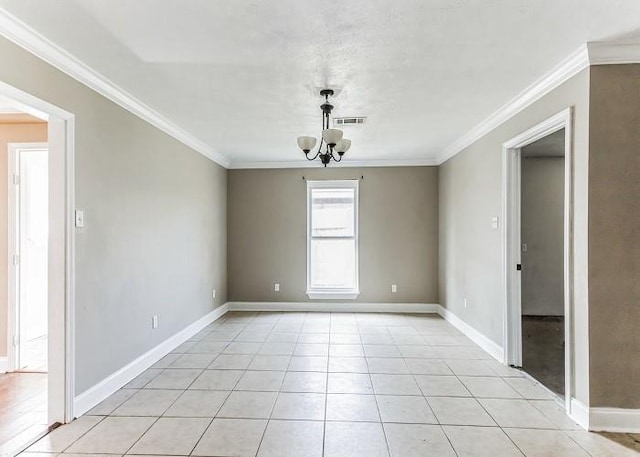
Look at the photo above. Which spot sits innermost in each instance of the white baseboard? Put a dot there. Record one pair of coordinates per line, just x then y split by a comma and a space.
493, 349
614, 420
347, 307
579, 412
4, 364
94, 395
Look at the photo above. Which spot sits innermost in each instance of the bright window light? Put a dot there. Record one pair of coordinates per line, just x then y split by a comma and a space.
332, 239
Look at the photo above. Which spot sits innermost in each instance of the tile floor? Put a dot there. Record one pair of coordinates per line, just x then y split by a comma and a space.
333, 385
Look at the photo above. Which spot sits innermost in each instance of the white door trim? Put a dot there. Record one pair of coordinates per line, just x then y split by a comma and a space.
511, 241
13, 319
61, 131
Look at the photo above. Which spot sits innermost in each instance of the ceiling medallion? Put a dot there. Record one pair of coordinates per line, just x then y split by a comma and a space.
334, 145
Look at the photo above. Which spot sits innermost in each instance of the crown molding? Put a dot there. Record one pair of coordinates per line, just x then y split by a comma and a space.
569, 67
610, 53
426, 162
24, 36
593, 53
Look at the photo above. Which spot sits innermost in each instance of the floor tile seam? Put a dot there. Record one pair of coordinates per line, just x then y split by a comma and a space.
565, 432
446, 435
264, 432
143, 433
291, 356
82, 435
555, 427
202, 435
542, 429
422, 394
440, 422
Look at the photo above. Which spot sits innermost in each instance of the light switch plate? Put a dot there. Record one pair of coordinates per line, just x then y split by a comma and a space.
276, 287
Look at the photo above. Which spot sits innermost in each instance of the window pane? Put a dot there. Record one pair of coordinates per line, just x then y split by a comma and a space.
333, 264
332, 212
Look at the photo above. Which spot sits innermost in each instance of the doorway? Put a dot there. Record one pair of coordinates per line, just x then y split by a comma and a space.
542, 278
537, 254
29, 222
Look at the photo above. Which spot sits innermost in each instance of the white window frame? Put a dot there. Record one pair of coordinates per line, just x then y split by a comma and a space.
326, 293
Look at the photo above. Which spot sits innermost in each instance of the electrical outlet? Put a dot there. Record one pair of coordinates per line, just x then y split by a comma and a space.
276, 287
495, 222
394, 288
213, 294
465, 302
154, 322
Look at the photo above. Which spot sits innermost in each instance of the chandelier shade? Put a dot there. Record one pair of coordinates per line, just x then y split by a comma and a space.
307, 143
332, 136
342, 146
331, 141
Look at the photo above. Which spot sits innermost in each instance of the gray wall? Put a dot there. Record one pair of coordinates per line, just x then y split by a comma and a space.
155, 234
614, 236
542, 228
10, 133
471, 194
398, 233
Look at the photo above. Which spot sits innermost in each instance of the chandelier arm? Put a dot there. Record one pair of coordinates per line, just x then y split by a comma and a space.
314, 157
319, 150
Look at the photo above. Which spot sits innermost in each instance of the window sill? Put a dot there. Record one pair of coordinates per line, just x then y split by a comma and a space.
332, 295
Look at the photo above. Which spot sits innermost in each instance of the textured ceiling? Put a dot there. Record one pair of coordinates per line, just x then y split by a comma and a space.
243, 75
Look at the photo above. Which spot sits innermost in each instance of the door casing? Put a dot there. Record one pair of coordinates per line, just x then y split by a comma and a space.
511, 256
61, 249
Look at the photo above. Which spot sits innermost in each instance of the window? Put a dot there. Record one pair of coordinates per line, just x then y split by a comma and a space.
332, 239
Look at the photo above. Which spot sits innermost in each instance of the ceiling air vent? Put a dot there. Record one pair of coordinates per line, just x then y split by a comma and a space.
349, 120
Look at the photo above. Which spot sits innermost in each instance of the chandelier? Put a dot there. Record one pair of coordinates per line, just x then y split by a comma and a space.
334, 145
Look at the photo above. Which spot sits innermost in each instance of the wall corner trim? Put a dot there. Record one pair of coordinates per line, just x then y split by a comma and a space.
4, 364
488, 345
26, 37
619, 420
94, 395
